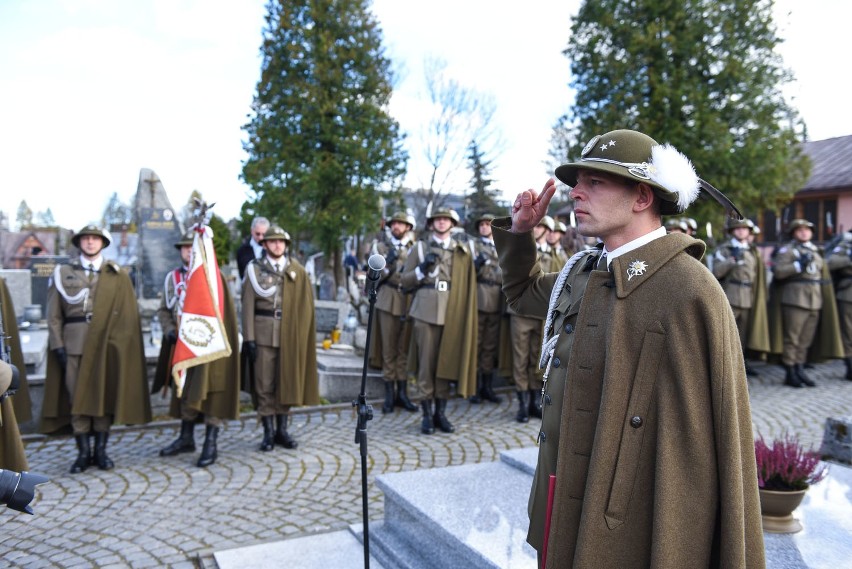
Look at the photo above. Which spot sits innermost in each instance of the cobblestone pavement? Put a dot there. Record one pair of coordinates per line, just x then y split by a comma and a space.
157, 512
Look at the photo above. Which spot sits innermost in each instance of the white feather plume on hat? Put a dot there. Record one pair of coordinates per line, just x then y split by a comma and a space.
674, 171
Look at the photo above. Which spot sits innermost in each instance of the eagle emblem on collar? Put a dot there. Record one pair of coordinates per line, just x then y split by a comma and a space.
636, 268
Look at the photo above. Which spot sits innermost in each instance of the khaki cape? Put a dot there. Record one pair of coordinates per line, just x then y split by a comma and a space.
648, 427
113, 379
212, 388
17, 407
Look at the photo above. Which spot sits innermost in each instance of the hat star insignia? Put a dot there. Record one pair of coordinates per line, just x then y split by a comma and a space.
636, 269
612, 143
604, 146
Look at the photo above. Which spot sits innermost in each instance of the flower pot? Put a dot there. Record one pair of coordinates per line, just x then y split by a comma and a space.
776, 510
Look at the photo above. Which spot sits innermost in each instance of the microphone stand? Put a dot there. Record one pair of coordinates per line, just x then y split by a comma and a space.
365, 413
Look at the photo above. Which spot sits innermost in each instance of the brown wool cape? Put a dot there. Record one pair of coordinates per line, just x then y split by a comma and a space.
112, 379
298, 381
17, 407
649, 432
212, 388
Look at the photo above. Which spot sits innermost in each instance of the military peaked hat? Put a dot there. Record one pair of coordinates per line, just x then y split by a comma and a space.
275, 232
447, 212
639, 158
187, 239
402, 217
92, 230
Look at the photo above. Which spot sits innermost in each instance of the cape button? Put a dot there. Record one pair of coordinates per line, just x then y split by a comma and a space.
557, 362
569, 328
636, 422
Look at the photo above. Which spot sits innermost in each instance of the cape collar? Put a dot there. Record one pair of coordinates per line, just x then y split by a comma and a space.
630, 270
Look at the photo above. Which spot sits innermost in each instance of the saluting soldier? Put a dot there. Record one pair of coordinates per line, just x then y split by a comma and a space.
211, 391
440, 272
803, 290
491, 306
739, 267
279, 329
96, 366
392, 334
644, 369
840, 263
15, 408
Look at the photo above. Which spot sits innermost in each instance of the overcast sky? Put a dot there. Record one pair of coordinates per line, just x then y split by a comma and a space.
91, 91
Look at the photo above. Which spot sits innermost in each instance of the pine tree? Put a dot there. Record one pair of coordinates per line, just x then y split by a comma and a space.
321, 143
24, 216
484, 198
699, 74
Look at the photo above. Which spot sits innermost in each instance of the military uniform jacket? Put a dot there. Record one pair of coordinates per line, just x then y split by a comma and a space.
15, 408
801, 284
646, 406
212, 388
391, 297
736, 267
840, 264
489, 278
451, 305
294, 333
112, 376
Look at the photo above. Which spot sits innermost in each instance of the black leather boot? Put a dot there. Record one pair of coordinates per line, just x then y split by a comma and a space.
402, 399
440, 418
101, 459
750, 372
803, 377
487, 389
426, 425
83, 450
476, 398
185, 441
387, 406
268, 442
848, 368
282, 437
792, 379
208, 451
523, 415
535, 403
91, 449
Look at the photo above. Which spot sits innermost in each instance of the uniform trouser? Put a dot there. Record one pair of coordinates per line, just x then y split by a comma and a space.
266, 382
427, 338
526, 348
845, 313
82, 424
188, 413
741, 317
488, 338
799, 330
394, 349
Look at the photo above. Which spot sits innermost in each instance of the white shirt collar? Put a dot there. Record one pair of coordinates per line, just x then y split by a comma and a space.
445, 243
96, 262
256, 247
488, 240
635, 244
738, 244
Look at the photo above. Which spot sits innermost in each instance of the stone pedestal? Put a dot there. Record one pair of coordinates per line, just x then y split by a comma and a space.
837, 440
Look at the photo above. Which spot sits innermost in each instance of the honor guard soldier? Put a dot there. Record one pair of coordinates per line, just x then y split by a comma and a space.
740, 270
491, 306
15, 407
840, 264
643, 368
803, 294
440, 272
544, 228
389, 343
211, 391
96, 373
559, 256
279, 330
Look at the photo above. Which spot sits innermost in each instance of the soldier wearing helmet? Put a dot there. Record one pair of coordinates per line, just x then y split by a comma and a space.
212, 390
392, 332
739, 267
279, 338
96, 367
558, 254
440, 273
676, 225
803, 306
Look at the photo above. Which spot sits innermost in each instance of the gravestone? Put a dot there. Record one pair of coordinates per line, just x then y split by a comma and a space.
330, 314
41, 270
158, 231
19, 283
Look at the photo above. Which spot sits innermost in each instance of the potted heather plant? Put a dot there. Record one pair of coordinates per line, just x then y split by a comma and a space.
785, 470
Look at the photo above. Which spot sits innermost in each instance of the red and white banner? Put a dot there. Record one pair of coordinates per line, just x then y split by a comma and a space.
201, 334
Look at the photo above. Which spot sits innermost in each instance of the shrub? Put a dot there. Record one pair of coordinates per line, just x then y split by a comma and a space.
785, 465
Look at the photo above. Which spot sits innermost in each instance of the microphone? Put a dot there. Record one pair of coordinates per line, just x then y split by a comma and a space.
375, 266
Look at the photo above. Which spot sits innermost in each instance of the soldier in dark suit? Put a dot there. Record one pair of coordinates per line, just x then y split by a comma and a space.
252, 247
491, 306
96, 366
279, 330
439, 270
211, 390
392, 332
740, 270
840, 263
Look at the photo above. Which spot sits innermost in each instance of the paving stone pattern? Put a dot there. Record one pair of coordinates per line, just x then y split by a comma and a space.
166, 512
